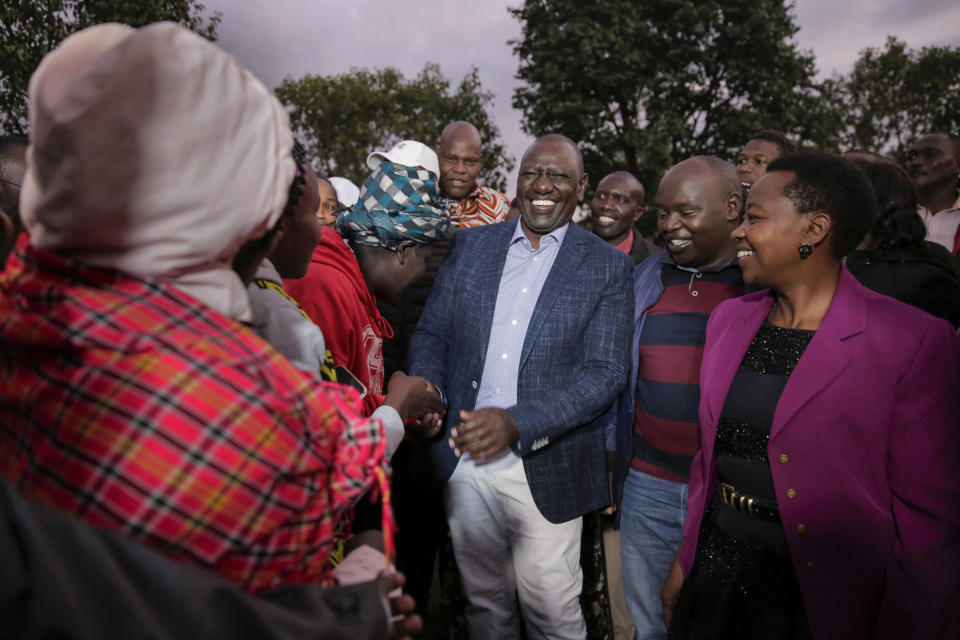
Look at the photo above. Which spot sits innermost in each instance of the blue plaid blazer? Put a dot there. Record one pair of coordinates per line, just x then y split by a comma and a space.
574, 362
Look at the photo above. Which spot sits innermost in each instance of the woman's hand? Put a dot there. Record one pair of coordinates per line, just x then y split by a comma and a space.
671, 587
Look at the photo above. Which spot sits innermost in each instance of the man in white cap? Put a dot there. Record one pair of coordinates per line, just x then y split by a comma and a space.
347, 192
389, 231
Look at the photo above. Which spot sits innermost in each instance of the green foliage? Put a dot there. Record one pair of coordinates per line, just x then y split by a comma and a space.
31, 28
895, 94
643, 85
343, 118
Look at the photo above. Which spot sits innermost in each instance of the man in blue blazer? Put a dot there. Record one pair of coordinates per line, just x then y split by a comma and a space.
527, 334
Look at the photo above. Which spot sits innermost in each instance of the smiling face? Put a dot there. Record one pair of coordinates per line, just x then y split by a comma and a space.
771, 231
459, 155
695, 212
753, 160
616, 206
327, 211
550, 184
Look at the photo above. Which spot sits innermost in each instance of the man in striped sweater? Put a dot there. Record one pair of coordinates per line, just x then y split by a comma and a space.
698, 203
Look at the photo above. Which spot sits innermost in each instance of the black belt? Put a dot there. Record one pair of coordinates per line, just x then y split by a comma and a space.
747, 504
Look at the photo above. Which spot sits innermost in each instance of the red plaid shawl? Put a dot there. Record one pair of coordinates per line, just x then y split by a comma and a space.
133, 406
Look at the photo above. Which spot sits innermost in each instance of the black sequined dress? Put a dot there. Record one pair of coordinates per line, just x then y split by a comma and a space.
742, 584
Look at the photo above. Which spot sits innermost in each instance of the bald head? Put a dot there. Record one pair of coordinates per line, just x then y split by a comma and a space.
698, 205
460, 155
725, 172
629, 181
460, 130
557, 137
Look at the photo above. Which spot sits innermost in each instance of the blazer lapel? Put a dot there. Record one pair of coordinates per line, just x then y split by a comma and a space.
561, 275
827, 355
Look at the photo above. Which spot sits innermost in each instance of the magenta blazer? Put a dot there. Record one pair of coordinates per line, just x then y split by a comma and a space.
865, 456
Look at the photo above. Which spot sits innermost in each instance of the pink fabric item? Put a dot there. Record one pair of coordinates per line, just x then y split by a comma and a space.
155, 153
866, 439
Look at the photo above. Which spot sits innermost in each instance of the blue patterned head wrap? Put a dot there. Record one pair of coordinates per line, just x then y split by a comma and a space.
397, 204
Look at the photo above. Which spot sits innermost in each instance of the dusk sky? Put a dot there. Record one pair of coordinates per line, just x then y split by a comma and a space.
279, 38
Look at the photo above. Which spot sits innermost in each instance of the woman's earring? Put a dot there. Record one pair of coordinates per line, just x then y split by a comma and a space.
805, 251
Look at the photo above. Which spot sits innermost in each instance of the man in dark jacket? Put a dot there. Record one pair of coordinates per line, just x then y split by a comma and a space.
616, 208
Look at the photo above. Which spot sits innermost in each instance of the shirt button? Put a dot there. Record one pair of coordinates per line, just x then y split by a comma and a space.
801, 529
535, 258
811, 567
790, 492
497, 390
694, 294
783, 458
474, 384
514, 323
504, 356
524, 290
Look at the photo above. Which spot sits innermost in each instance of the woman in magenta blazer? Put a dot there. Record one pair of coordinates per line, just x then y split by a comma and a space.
825, 501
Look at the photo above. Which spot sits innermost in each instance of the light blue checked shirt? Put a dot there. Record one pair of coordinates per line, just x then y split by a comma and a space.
524, 273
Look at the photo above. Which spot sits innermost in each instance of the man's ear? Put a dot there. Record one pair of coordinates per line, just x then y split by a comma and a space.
401, 254
734, 207
582, 187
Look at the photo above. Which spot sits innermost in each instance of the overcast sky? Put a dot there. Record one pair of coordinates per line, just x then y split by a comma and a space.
279, 38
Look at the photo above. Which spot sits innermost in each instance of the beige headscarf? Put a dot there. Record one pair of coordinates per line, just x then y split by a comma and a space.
156, 153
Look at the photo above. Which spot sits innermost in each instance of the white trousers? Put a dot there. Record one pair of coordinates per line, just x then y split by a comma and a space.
504, 547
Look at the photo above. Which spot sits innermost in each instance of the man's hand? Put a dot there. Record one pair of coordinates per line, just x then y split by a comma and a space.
484, 433
406, 623
612, 509
671, 587
425, 427
413, 396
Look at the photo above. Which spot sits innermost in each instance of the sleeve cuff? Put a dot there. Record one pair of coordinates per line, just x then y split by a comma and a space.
392, 425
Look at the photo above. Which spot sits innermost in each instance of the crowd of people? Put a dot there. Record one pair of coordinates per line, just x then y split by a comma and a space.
238, 396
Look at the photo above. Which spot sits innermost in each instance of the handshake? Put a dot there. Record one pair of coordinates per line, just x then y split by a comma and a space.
418, 402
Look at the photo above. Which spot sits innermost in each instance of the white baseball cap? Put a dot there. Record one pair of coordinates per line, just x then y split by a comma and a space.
347, 192
408, 153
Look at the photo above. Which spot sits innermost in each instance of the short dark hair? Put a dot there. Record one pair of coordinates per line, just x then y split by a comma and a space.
777, 137
897, 223
299, 179
838, 187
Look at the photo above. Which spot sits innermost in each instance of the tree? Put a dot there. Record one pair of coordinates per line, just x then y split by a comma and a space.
31, 28
343, 118
643, 85
895, 94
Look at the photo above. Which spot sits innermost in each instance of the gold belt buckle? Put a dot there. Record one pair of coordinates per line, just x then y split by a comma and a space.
727, 493
734, 500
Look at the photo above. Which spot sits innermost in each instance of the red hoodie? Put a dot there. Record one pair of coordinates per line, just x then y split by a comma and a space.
335, 296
